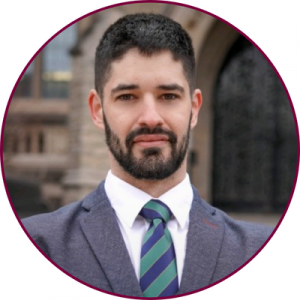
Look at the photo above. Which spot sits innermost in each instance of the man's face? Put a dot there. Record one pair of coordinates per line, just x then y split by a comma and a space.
148, 113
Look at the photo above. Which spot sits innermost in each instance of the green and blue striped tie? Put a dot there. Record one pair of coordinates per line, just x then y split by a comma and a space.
158, 270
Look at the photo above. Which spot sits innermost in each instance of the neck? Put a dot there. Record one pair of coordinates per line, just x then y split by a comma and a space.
155, 188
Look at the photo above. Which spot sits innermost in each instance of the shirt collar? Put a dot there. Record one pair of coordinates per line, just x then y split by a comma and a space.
127, 200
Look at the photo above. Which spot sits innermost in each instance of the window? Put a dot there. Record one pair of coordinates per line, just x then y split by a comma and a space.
24, 88
56, 66
49, 75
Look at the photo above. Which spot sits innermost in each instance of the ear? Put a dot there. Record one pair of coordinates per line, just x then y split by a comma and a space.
96, 108
196, 105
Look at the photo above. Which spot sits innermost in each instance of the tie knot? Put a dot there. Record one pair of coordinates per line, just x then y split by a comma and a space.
155, 209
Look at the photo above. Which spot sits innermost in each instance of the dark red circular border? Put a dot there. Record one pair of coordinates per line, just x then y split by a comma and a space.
172, 3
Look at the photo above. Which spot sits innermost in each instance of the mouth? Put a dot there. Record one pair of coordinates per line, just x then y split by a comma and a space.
151, 140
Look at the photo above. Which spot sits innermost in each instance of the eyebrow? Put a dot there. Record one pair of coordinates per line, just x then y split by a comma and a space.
124, 87
171, 87
167, 87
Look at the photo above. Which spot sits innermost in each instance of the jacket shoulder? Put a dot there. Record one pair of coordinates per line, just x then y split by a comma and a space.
236, 231
252, 235
241, 242
48, 230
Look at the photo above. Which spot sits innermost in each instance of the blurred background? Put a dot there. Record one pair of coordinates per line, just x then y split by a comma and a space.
243, 152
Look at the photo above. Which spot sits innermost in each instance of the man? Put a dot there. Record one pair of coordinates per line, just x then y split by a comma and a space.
145, 231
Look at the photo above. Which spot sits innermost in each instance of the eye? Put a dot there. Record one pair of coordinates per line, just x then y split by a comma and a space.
125, 97
170, 96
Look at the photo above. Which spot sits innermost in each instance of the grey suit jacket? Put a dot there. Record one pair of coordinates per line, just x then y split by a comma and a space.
84, 240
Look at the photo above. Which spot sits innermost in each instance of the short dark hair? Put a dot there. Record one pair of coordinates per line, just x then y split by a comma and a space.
150, 34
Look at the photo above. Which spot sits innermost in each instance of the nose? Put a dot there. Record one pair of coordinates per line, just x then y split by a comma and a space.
150, 115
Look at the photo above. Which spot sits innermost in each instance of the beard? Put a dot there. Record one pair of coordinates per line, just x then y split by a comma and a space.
152, 165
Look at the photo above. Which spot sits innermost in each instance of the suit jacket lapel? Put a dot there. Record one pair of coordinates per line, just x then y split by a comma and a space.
103, 234
204, 241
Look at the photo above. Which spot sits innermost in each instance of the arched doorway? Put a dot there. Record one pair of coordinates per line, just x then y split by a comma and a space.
254, 137
219, 37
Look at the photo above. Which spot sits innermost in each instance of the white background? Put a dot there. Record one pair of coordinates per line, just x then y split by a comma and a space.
26, 25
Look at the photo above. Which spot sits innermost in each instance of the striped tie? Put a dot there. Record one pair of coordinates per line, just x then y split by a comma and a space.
158, 274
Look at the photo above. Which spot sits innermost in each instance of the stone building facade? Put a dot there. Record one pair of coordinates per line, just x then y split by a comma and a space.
67, 153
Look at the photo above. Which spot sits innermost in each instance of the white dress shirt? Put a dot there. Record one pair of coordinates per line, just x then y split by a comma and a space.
127, 201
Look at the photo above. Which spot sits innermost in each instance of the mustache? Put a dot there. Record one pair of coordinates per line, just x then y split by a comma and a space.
146, 130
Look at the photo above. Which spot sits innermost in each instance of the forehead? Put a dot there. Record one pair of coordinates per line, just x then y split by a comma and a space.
135, 67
